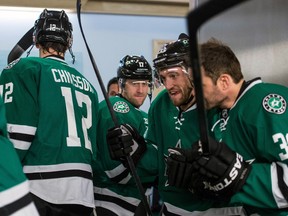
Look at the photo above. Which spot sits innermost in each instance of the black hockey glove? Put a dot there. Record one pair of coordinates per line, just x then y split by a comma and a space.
123, 141
218, 175
179, 167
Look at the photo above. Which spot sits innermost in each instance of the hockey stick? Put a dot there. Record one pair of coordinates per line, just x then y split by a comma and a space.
23, 44
195, 19
113, 116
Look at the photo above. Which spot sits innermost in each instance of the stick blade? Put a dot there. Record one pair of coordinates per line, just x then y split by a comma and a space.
23, 44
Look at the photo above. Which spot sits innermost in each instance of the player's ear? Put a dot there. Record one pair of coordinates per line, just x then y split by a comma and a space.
224, 81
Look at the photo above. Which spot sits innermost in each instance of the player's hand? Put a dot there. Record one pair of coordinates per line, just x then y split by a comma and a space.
179, 167
220, 174
217, 175
124, 141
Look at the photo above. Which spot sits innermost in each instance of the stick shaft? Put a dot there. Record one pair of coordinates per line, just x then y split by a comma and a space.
113, 116
196, 18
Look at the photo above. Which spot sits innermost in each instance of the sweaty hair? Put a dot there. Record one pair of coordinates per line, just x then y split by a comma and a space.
58, 47
218, 58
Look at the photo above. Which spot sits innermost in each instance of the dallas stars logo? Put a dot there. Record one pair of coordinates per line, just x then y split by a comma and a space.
274, 103
121, 107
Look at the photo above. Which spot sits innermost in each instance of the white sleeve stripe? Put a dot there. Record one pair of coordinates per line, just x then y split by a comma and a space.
29, 210
108, 192
278, 196
22, 145
12, 194
126, 179
117, 174
116, 171
23, 129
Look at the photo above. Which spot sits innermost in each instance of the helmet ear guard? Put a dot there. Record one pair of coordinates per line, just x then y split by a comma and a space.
121, 83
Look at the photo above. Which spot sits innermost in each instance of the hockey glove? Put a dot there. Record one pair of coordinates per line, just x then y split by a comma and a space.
217, 175
220, 174
179, 167
123, 141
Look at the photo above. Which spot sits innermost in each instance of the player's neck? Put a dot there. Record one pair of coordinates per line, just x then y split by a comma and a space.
51, 52
188, 104
232, 95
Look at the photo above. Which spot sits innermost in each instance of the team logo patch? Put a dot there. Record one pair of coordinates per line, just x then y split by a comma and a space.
121, 107
274, 103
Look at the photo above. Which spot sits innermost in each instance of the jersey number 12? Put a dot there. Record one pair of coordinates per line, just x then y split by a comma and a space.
73, 140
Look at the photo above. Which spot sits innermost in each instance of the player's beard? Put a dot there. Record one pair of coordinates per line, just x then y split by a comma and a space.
182, 96
137, 100
214, 99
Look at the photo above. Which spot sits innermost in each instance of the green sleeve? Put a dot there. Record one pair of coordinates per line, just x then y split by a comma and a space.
20, 97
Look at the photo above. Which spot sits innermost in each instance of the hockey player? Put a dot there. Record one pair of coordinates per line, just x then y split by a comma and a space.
14, 191
112, 87
251, 126
173, 123
51, 114
116, 192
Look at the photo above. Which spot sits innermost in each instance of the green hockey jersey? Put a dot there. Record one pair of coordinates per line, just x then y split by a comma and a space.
170, 127
51, 114
257, 128
114, 187
14, 188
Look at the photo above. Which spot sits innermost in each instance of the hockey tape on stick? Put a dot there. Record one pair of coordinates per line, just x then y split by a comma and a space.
113, 116
23, 44
195, 19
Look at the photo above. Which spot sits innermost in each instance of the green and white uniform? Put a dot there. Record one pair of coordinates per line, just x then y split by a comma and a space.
14, 188
51, 114
170, 127
257, 128
114, 187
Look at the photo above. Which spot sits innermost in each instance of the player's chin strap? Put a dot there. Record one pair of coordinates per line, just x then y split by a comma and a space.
151, 88
113, 115
23, 44
191, 97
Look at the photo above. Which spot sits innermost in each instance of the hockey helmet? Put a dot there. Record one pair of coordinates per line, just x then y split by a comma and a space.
173, 54
53, 26
134, 67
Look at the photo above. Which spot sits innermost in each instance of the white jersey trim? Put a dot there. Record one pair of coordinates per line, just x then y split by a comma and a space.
118, 210
112, 206
117, 171
22, 145
22, 129
29, 210
126, 179
13, 194
68, 190
57, 167
248, 88
278, 196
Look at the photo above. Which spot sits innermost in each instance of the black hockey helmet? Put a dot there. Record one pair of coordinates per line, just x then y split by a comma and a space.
172, 54
134, 67
53, 26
